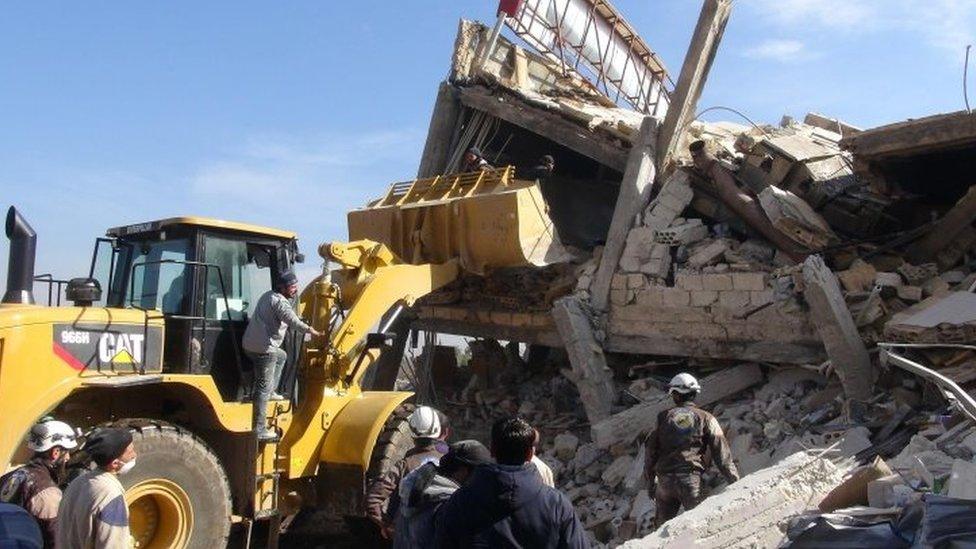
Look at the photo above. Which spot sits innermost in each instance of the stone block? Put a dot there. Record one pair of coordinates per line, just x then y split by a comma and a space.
636, 281
734, 299
688, 281
676, 297
935, 286
888, 280
718, 282
762, 297
703, 298
910, 293
565, 445
859, 277
707, 255
754, 282
618, 282
620, 297
652, 296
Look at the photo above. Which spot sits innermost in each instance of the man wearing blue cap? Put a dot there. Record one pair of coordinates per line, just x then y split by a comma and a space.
272, 317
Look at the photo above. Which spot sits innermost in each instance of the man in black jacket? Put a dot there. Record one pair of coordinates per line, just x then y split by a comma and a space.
506, 504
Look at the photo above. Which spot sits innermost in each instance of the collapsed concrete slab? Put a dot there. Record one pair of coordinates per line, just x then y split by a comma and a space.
753, 511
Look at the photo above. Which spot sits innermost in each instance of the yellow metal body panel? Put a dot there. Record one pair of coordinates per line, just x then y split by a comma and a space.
354, 431
483, 219
33, 378
149, 226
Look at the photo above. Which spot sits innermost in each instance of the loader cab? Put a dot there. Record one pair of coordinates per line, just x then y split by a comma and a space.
204, 276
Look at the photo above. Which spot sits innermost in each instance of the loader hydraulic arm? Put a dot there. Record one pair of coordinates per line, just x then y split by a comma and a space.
369, 283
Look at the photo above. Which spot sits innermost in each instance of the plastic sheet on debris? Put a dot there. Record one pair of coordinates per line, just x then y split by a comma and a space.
948, 519
841, 532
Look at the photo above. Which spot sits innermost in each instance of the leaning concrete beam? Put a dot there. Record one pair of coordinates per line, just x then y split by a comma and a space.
836, 327
635, 190
590, 373
437, 149
641, 419
694, 72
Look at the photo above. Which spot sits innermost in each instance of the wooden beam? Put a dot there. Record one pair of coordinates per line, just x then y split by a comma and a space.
694, 72
443, 119
590, 373
833, 320
635, 191
550, 125
941, 235
639, 420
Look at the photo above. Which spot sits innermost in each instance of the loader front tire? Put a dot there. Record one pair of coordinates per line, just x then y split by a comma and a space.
178, 494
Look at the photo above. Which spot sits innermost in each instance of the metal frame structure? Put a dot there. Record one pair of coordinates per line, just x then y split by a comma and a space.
541, 24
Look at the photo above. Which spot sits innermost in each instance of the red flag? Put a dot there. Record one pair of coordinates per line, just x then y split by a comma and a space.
509, 7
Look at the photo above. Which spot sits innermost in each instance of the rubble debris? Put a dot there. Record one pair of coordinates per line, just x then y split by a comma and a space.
750, 512
626, 426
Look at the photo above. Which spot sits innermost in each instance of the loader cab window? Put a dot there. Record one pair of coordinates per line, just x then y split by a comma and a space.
160, 278
245, 270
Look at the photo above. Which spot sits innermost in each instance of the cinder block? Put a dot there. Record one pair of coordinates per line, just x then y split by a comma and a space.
753, 282
618, 282
636, 281
686, 233
676, 297
761, 297
733, 299
703, 298
718, 282
688, 281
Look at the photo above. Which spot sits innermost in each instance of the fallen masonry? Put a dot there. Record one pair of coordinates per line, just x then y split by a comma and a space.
816, 277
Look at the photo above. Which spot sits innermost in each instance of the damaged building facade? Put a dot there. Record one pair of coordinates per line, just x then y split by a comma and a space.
818, 276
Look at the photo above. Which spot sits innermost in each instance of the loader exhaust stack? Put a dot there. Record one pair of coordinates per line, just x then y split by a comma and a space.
20, 264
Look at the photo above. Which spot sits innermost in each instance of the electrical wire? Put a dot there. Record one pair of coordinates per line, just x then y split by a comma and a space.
965, 79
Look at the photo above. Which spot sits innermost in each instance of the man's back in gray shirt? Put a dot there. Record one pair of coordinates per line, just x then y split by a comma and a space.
272, 317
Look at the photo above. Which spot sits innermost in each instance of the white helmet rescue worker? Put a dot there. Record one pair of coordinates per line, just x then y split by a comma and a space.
430, 429
35, 486
675, 451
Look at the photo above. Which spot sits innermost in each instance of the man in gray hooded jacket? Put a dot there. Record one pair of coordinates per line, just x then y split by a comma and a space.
424, 490
265, 332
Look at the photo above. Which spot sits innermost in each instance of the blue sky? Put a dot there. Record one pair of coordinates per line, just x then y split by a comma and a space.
291, 114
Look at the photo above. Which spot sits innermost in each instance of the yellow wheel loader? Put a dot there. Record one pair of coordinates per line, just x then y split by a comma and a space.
152, 341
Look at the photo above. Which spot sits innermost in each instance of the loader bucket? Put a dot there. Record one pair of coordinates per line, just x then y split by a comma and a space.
484, 219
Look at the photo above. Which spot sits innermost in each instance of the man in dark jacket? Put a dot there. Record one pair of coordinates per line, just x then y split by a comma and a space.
430, 429
506, 504
473, 161
676, 451
35, 485
424, 490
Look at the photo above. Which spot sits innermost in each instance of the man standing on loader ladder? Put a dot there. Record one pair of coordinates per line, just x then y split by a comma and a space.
265, 332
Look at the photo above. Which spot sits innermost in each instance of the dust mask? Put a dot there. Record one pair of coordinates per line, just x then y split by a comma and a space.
127, 466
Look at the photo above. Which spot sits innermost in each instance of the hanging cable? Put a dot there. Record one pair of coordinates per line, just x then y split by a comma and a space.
965, 80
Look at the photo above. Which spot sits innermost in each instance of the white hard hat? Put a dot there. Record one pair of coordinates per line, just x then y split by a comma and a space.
684, 383
49, 433
425, 423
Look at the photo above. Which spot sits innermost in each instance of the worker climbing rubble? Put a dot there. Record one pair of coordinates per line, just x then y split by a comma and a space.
675, 451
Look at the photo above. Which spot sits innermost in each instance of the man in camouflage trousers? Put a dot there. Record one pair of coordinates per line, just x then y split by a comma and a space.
678, 451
